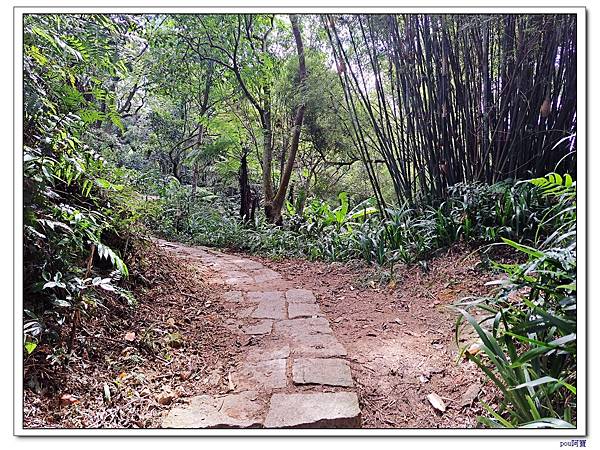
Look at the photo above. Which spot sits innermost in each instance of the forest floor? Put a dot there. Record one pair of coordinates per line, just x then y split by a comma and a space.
130, 363
180, 342
400, 336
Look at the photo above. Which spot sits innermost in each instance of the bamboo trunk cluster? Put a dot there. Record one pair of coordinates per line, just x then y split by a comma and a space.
451, 98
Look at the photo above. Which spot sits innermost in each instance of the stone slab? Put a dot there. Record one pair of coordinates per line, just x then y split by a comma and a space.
273, 285
264, 275
251, 265
238, 281
297, 310
247, 264
314, 410
318, 346
300, 327
243, 410
263, 354
268, 296
244, 312
233, 296
330, 372
262, 327
300, 296
269, 310
309, 337
235, 273
261, 375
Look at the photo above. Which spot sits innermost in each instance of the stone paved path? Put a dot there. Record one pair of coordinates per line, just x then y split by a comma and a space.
293, 376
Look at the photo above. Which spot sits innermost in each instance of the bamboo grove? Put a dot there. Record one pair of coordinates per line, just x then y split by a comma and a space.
458, 97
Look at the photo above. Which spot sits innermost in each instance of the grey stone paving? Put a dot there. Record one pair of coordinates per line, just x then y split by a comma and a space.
300, 296
243, 410
265, 375
270, 310
262, 327
314, 410
332, 371
297, 310
295, 355
272, 296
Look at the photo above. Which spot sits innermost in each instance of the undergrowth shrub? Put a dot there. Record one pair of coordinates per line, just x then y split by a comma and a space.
474, 213
76, 215
528, 328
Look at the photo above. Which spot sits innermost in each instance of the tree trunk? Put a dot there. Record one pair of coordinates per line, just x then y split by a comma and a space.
245, 193
267, 157
274, 210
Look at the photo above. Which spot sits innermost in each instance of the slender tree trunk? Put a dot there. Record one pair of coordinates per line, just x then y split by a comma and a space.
267, 158
245, 192
274, 213
194, 182
196, 167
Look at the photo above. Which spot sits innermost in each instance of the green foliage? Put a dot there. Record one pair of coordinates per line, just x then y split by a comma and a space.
529, 328
73, 204
209, 88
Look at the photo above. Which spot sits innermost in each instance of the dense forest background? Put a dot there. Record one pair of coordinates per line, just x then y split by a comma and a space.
337, 137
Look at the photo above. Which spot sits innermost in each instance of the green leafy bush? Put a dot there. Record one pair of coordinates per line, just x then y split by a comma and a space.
74, 208
529, 329
474, 213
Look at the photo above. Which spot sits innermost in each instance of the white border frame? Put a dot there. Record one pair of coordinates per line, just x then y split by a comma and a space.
582, 400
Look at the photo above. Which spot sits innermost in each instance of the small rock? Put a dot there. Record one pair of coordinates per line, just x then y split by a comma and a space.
437, 402
171, 322
214, 378
130, 336
165, 398
470, 395
185, 375
423, 379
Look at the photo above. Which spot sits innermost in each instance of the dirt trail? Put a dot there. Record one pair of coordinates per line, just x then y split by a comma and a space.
398, 339
293, 374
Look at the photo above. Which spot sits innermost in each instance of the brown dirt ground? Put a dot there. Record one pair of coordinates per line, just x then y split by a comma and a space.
399, 337
182, 347
397, 332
